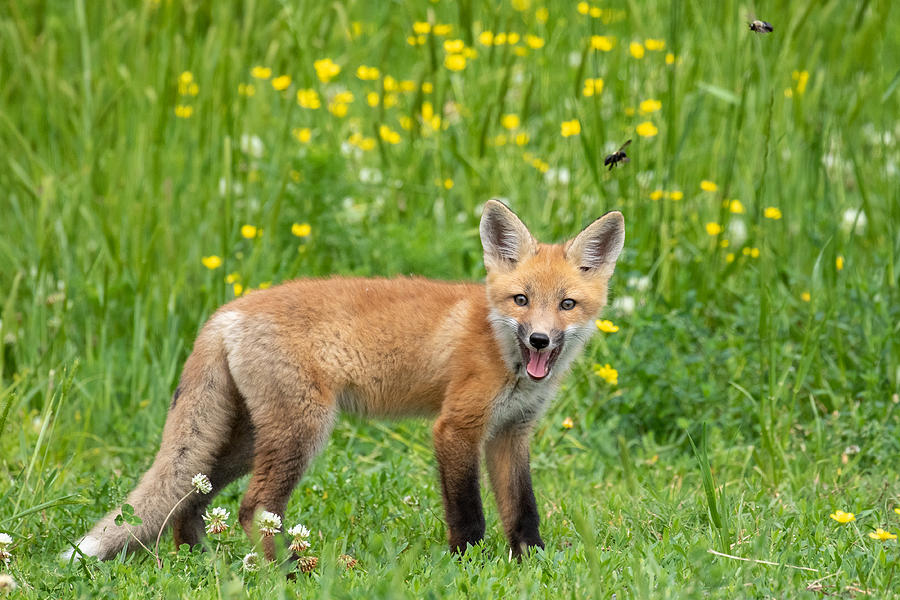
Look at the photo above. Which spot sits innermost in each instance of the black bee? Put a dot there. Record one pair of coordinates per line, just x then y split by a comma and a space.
617, 157
760, 26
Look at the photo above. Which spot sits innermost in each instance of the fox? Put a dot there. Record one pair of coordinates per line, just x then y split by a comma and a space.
271, 371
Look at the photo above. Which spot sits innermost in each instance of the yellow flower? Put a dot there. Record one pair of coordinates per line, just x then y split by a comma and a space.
670, 58
211, 262
754, 252
842, 517
486, 38
372, 99
454, 46
636, 49
736, 207
881, 534
389, 135
568, 423
839, 263
646, 129
772, 212
708, 186
805, 296
407, 85
186, 78
676, 195
308, 99
232, 277
301, 229
390, 84
238, 289
534, 42
606, 326
521, 5
265, 285
541, 15
570, 128
729, 258
250, 232
510, 121
801, 77
455, 62
427, 87
521, 139
604, 43
246, 89
656, 195
338, 109
512, 38
713, 228
584, 8
653, 44
897, 510
593, 87
368, 73
326, 69
723, 243
303, 134
649, 106
281, 83
448, 184
258, 72
595, 12
442, 29
421, 28
607, 373
183, 111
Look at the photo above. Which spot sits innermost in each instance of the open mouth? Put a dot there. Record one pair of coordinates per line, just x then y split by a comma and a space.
539, 363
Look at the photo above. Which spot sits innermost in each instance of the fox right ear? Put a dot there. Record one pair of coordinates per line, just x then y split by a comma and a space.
504, 237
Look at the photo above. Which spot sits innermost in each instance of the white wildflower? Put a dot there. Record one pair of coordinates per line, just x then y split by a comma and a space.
298, 534
854, 221
201, 483
252, 145
737, 232
268, 523
624, 305
640, 284
5, 541
250, 562
7, 583
216, 520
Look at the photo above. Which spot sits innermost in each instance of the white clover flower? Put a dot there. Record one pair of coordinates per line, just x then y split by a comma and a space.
268, 523
216, 520
250, 562
252, 145
854, 221
624, 305
201, 483
7, 583
737, 231
5, 540
298, 534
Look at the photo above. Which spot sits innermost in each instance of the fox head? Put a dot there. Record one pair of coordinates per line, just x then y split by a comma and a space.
543, 298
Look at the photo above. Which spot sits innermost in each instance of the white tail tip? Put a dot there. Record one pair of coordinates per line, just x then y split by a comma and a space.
89, 546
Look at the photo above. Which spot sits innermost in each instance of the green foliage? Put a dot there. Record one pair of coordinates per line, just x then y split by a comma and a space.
773, 342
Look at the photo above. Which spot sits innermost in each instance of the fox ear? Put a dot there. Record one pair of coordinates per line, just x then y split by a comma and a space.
598, 246
504, 237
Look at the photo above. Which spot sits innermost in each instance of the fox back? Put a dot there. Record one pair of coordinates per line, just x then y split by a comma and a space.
270, 372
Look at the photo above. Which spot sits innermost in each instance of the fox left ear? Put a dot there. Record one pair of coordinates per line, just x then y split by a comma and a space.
598, 246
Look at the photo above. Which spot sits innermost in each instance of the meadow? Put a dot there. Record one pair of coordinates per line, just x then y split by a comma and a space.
733, 431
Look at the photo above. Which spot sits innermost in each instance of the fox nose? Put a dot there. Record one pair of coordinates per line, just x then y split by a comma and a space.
539, 341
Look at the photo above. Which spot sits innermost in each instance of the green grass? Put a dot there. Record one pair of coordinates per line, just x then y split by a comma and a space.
735, 401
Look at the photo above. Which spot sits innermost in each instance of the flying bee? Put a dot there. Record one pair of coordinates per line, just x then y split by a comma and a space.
617, 157
758, 26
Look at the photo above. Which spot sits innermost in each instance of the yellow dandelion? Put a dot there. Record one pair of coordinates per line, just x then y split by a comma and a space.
772, 212
708, 186
454, 46
301, 229
649, 106
735, 207
281, 83
265, 285
729, 258
238, 289
421, 27
534, 42
595, 12
326, 69
388, 135
805, 296
427, 87
259, 72
486, 38
512, 38
656, 195
442, 29
499, 39
390, 100
541, 15
211, 262
447, 184
842, 517
510, 121
246, 89
455, 62
801, 78
636, 49
302, 134
521, 139
881, 534
754, 252
368, 73
670, 58
724, 243
338, 109
897, 510
186, 77
607, 373
654, 44
570, 128
232, 277
713, 228
583, 8
183, 111
372, 99
839, 263
568, 423
250, 232
606, 326
593, 87
676, 195
646, 129
308, 99
604, 43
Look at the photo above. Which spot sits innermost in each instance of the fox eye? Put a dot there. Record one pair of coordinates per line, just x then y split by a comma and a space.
520, 299
567, 304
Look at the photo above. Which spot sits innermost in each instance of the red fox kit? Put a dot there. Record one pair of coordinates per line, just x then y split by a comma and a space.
270, 372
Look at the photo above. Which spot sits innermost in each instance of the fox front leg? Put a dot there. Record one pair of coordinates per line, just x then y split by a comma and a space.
458, 455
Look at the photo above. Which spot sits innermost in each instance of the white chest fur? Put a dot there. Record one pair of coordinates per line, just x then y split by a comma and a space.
518, 404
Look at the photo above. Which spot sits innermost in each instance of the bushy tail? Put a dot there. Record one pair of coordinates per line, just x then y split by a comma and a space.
199, 424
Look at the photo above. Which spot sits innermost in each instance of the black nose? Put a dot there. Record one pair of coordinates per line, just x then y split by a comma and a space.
539, 340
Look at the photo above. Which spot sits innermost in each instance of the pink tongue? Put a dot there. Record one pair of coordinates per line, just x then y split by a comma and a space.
537, 364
